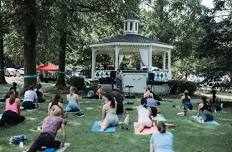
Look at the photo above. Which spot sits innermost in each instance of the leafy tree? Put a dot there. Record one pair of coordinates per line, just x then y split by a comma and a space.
2, 74
216, 44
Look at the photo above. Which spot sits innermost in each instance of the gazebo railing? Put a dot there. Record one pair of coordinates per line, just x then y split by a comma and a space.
101, 74
162, 75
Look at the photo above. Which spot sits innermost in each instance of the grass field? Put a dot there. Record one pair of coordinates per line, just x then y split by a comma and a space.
189, 136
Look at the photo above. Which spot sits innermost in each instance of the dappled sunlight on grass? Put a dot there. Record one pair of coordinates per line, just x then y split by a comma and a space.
89, 108
31, 118
74, 123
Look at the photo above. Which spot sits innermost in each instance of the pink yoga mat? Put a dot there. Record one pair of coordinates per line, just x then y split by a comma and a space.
146, 131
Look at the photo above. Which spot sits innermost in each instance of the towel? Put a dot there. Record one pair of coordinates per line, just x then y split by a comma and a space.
146, 131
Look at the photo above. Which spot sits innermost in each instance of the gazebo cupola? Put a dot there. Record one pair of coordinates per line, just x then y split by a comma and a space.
131, 26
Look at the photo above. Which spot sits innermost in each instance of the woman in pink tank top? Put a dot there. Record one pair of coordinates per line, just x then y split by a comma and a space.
11, 113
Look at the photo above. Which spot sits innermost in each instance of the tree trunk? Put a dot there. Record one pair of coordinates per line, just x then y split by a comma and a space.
30, 77
2, 73
61, 75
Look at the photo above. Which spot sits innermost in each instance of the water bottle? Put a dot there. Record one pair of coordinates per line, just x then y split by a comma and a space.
21, 144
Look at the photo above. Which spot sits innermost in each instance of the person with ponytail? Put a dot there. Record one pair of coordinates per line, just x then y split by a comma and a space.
161, 141
73, 101
215, 101
109, 116
205, 109
51, 125
11, 113
58, 102
144, 116
185, 100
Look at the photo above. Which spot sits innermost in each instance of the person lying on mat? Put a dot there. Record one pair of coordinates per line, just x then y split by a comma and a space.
215, 102
73, 101
185, 100
205, 110
58, 102
109, 116
148, 93
161, 141
11, 113
51, 124
30, 100
144, 116
152, 103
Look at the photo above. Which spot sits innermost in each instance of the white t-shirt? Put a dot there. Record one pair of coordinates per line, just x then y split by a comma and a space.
30, 95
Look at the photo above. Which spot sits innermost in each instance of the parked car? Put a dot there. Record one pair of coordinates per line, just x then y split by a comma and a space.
6, 72
77, 72
12, 71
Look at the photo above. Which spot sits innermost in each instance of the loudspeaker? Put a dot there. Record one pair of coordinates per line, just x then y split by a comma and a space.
113, 74
151, 77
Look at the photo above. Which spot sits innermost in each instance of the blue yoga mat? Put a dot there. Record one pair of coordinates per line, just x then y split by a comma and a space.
50, 150
160, 117
199, 119
66, 145
96, 128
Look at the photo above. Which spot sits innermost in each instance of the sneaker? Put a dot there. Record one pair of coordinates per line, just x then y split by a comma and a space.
79, 114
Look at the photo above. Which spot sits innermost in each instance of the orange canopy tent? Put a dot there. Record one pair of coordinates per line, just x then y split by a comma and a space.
49, 67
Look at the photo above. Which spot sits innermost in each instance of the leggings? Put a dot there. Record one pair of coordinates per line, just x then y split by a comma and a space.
11, 117
44, 140
28, 105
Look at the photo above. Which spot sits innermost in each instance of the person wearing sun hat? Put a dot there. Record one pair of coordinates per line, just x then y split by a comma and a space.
51, 124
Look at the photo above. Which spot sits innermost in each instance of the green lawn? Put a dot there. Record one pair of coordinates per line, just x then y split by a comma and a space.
188, 135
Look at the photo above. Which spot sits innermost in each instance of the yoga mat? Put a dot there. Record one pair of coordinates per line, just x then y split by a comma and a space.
146, 131
199, 120
66, 145
96, 128
159, 117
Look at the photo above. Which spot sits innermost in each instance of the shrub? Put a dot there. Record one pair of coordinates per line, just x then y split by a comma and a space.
179, 86
77, 82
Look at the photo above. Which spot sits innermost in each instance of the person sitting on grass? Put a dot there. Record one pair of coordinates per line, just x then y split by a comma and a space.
215, 102
144, 116
11, 113
148, 93
206, 110
185, 100
98, 92
161, 141
14, 87
57, 101
51, 124
30, 100
73, 101
109, 116
39, 93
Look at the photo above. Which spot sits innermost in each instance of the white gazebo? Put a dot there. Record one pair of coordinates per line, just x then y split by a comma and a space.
130, 43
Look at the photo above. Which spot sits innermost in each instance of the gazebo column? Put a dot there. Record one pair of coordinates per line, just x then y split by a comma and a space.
116, 52
169, 61
164, 60
93, 63
150, 58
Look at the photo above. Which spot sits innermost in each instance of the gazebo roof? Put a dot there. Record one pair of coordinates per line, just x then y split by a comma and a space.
130, 39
